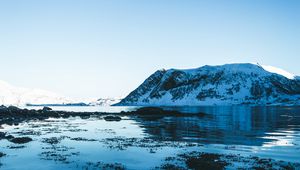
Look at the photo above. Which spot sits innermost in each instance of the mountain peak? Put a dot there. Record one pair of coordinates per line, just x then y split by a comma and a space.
223, 84
243, 67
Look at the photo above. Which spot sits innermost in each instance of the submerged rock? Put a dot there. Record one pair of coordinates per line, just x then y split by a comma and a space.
9, 137
2, 135
112, 118
206, 161
217, 161
83, 139
21, 140
2, 154
102, 165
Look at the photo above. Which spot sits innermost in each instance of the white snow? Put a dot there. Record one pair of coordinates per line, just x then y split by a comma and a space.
11, 95
245, 68
104, 101
279, 71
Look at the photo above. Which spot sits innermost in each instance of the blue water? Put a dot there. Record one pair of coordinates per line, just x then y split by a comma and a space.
266, 132
108, 109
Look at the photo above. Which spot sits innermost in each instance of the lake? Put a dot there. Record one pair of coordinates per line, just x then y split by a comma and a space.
140, 143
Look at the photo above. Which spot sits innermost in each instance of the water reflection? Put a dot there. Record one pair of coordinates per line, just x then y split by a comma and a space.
76, 143
255, 126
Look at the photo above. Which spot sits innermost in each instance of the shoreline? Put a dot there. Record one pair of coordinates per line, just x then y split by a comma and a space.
183, 160
12, 114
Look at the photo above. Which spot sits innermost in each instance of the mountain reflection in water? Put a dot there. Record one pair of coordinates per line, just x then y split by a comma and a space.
93, 142
254, 126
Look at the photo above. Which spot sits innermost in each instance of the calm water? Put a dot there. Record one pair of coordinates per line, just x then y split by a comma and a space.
74, 143
108, 109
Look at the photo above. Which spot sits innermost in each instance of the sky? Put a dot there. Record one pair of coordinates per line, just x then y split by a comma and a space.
106, 48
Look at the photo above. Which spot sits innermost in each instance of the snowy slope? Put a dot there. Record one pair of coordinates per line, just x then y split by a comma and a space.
10, 95
279, 71
105, 101
218, 85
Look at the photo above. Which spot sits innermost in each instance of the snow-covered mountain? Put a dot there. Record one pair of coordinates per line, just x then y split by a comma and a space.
218, 85
105, 102
11, 95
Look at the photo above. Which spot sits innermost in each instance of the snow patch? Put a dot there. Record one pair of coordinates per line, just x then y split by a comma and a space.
278, 71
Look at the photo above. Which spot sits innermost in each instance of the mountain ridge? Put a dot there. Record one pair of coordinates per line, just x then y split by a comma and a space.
18, 96
229, 84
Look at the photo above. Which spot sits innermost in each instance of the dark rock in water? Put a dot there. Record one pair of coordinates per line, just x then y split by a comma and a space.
20, 140
83, 139
13, 115
101, 165
16, 147
197, 160
52, 140
160, 111
155, 111
14, 109
47, 108
2, 154
9, 137
206, 161
150, 110
2, 135
3, 109
112, 118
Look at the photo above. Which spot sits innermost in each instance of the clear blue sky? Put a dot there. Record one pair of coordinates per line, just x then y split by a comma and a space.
94, 48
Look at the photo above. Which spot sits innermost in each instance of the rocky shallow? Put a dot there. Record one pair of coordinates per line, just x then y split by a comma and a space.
13, 115
200, 160
55, 149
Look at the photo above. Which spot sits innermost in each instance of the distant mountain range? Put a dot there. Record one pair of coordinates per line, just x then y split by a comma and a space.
11, 95
105, 102
230, 84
